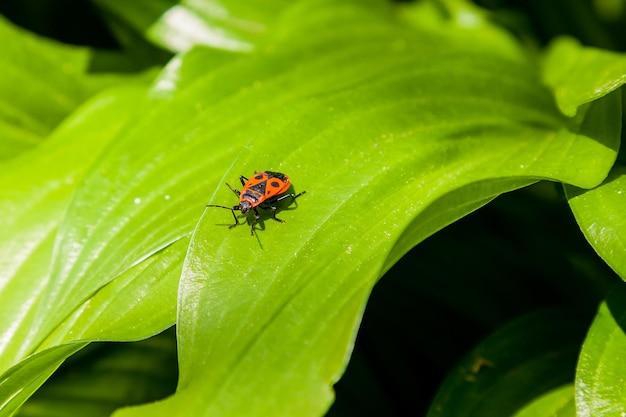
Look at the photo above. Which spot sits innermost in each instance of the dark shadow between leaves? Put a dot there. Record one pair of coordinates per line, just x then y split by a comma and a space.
616, 303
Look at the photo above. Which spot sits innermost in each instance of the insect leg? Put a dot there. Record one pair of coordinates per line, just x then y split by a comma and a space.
232, 210
236, 219
237, 192
243, 180
256, 219
274, 209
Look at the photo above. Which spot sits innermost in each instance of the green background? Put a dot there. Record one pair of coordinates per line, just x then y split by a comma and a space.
120, 121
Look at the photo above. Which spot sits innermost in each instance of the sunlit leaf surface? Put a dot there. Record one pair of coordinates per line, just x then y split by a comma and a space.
600, 214
394, 132
599, 380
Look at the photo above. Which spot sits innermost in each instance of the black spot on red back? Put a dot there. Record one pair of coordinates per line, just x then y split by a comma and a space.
272, 174
258, 188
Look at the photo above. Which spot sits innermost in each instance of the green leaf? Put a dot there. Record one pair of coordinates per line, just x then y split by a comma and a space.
580, 74
105, 376
388, 138
41, 82
600, 215
391, 134
556, 403
600, 389
514, 367
460, 285
40, 184
19, 382
136, 304
225, 25
461, 21
178, 26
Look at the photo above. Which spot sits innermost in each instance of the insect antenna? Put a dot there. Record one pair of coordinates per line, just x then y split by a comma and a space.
232, 210
224, 207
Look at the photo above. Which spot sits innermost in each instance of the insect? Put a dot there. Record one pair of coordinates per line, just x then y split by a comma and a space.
263, 191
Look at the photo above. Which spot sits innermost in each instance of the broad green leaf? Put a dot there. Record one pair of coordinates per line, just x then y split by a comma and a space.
447, 209
462, 21
458, 286
389, 138
105, 376
556, 403
20, 381
600, 389
180, 25
137, 304
283, 313
520, 362
378, 122
226, 25
600, 215
580, 74
38, 186
41, 82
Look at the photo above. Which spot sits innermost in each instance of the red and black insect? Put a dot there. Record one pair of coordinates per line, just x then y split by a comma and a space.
263, 191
